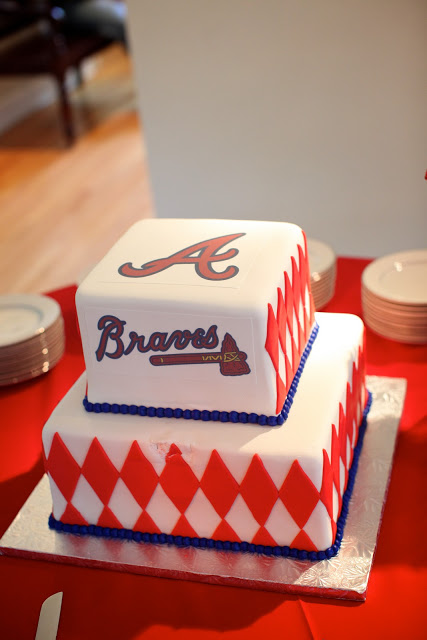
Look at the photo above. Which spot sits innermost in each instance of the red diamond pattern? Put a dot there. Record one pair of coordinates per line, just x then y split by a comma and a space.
178, 480
351, 407
62, 467
225, 532
281, 319
304, 281
184, 528
258, 490
139, 476
272, 339
262, 536
218, 485
289, 303
281, 324
72, 515
108, 519
302, 541
335, 461
342, 431
347, 419
298, 494
99, 471
326, 492
146, 524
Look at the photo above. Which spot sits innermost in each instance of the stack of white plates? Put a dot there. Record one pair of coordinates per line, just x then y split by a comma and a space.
32, 337
323, 271
394, 296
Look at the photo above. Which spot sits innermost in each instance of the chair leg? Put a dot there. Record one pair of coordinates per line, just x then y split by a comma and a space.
66, 113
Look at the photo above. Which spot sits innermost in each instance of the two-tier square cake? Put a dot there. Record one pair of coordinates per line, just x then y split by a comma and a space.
217, 409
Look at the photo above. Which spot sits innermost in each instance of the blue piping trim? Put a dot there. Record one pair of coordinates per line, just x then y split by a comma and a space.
224, 545
223, 416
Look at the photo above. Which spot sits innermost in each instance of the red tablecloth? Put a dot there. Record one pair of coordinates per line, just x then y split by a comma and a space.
103, 604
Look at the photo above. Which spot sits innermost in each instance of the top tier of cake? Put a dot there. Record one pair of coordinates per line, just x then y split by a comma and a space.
206, 317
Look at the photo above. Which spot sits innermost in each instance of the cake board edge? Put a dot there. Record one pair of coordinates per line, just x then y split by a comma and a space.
343, 577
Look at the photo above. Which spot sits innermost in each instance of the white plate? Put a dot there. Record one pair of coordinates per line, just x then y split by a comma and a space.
400, 277
24, 316
320, 255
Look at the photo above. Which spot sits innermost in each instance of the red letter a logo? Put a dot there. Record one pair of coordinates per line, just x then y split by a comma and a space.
207, 254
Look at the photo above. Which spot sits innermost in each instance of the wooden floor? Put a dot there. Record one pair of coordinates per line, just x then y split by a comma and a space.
62, 208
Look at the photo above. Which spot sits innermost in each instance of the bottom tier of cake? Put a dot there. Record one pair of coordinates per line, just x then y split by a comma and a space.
281, 490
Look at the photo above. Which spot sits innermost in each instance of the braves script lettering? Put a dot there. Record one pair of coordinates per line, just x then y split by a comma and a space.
207, 253
112, 345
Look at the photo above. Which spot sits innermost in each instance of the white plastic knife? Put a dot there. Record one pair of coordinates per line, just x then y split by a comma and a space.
50, 612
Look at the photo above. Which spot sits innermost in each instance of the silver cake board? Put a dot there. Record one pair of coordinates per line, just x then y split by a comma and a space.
345, 576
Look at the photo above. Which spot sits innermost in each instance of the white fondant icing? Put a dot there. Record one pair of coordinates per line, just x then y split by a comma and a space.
86, 501
241, 520
303, 437
59, 502
162, 510
202, 516
78, 444
318, 527
178, 298
117, 451
123, 505
281, 525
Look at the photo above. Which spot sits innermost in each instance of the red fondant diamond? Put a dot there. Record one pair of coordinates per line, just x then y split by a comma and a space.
350, 407
296, 285
225, 532
218, 485
72, 516
303, 271
99, 471
178, 480
335, 458
298, 494
289, 302
258, 490
343, 435
62, 467
146, 524
310, 310
281, 319
326, 492
262, 536
301, 338
139, 476
272, 339
184, 528
108, 519
302, 541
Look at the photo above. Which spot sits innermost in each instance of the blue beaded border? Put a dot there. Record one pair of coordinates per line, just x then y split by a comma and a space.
224, 545
215, 416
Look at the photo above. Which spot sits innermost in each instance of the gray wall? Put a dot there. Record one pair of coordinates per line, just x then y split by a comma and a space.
307, 111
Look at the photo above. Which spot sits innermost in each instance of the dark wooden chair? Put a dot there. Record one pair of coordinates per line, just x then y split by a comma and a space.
34, 40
